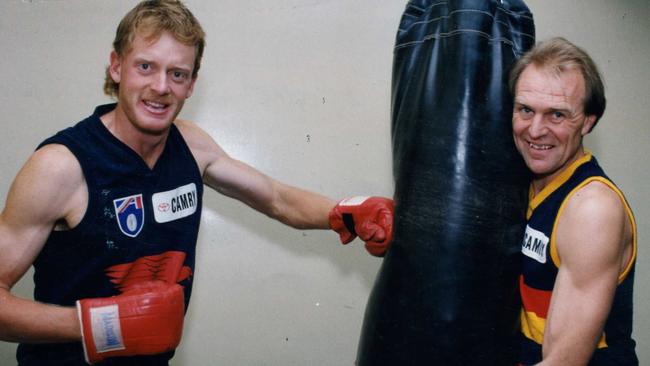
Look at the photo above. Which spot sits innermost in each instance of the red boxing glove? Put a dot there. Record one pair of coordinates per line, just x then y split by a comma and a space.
371, 218
145, 319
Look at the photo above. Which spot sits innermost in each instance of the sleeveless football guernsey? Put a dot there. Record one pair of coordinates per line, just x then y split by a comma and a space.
541, 263
134, 212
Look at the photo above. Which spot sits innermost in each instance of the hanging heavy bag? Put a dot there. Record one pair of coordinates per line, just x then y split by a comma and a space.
446, 293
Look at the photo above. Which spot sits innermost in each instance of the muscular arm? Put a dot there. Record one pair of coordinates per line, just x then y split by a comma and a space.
44, 192
594, 244
290, 205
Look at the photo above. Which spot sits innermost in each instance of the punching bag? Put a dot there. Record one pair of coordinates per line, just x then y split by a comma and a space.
446, 293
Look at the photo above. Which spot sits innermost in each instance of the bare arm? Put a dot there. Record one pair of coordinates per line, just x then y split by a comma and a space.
45, 191
290, 205
594, 244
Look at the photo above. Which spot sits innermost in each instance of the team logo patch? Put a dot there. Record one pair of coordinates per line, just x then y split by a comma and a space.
130, 214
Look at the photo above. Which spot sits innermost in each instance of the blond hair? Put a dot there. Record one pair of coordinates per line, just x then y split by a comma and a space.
150, 18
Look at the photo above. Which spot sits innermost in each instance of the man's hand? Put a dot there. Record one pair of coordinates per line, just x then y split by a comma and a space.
370, 218
145, 319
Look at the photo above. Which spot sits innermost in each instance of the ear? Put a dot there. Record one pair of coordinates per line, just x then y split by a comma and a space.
590, 121
115, 67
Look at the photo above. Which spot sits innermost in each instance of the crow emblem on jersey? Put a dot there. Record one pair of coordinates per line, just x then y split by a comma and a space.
130, 214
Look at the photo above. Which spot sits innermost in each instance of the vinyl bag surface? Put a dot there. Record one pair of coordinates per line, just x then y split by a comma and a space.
446, 293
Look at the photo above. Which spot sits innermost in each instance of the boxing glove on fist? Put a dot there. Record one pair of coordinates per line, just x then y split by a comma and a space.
370, 218
145, 319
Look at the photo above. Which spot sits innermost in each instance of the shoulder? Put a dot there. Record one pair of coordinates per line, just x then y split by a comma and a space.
50, 185
595, 200
54, 172
192, 133
593, 220
203, 147
56, 162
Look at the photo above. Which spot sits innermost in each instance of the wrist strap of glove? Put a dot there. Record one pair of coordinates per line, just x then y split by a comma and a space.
348, 221
347, 217
103, 326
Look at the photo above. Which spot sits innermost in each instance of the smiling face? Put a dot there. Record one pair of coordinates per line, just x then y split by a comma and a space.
155, 78
548, 121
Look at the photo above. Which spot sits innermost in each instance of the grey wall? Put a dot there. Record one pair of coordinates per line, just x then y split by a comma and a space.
300, 89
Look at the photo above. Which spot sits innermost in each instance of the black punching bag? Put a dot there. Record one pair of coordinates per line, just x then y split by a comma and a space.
446, 293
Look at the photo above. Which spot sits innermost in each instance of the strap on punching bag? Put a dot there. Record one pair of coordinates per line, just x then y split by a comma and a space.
446, 293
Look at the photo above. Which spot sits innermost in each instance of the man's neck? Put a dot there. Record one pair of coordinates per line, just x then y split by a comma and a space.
147, 145
540, 182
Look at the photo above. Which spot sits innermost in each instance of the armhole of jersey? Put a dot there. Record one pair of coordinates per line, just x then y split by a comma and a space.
555, 256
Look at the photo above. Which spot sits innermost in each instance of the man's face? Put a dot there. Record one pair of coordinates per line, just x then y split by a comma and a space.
155, 78
548, 120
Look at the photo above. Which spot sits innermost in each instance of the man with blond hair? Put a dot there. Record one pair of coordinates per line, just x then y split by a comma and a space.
108, 211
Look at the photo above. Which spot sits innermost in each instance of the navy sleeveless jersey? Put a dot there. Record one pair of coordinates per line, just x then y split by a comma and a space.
541, 263
133, 212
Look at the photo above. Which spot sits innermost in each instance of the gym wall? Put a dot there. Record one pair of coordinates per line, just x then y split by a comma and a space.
300, 89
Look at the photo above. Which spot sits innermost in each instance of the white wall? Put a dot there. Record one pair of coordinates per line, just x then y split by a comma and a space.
300, 89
